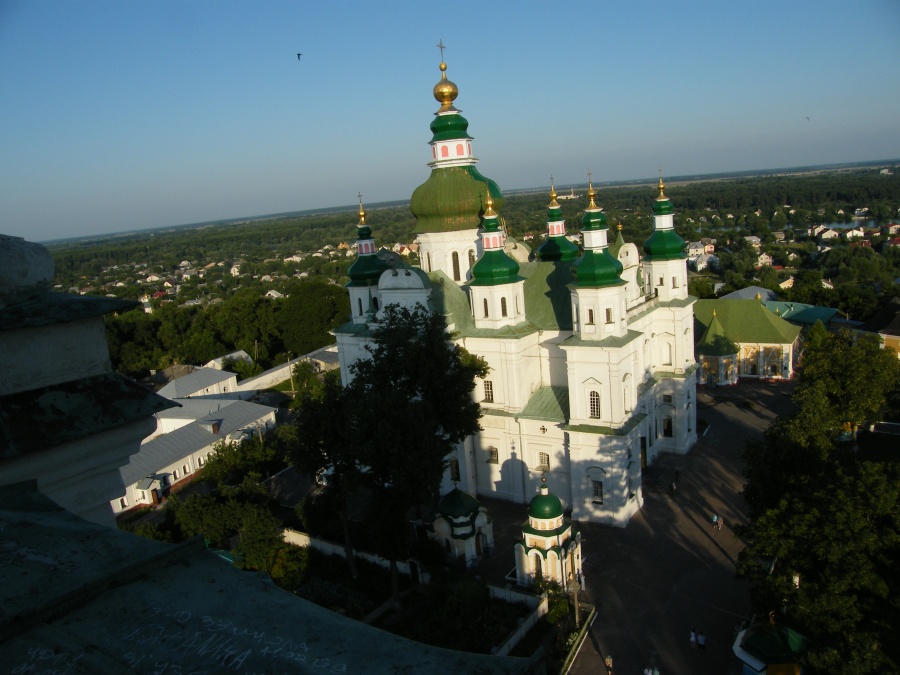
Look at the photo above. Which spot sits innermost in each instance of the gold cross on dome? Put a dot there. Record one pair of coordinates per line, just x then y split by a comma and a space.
441, 45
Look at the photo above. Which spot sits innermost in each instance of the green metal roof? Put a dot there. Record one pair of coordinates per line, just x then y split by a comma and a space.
547, 403
617, 245
611, 342
452, 199
744, 321
662, 207
774, 644
714, 342
798, 312
366, 270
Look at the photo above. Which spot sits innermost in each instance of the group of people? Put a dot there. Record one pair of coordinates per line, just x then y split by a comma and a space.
651, 671
698, 641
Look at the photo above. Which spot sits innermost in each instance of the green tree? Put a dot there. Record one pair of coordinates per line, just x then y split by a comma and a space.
823, 544
410, 403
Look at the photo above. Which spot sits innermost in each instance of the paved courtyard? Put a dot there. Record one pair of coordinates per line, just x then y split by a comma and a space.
669, 570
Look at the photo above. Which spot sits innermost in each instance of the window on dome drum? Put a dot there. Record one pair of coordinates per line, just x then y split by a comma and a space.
123, 503
455, 266
428, 258
175, 474
454, 470
608, 315
488, 391
674, 282
485, 308
594, 399
471, 258
444, 151
590, 317
493, 455
200, 461
502, 306
544, 461
184, 470
459, 150
597, 491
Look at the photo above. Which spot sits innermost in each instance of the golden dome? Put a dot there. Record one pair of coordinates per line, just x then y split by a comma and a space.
445, 92
489, 211
662, 189
361, 212
553, 203
591, 195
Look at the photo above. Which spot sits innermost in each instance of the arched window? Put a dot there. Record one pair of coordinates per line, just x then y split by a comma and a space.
493, 455
471, 258
359, 304
667, 354
444, 151
594, 401
668, 426
455, 266
459, 150
590, 317
502, 306
434, 152
485, 308
375, 303
609, 315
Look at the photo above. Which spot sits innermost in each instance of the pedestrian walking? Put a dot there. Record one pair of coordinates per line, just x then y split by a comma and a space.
693, 639
608, 662
719, 523
701, 642
715, 521
672, 487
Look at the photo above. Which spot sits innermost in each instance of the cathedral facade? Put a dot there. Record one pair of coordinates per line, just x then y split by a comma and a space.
592, 369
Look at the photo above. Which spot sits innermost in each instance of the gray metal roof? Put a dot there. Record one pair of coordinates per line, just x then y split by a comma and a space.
159, 453
195, 381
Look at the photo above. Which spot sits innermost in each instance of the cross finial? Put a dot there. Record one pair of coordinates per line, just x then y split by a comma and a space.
589, 176
441, 45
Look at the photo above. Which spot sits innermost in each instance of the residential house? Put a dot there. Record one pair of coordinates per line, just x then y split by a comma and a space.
828, 235
886, 324
764, 260
274, 294
695, 248
235, 270
855, 233
787, 283
755, 242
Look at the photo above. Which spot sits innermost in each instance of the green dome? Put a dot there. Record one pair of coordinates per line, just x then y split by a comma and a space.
662, 207
593, 220
493, 268
366, 270
458, 504
598, 268
449, 127
664, 245
452, 199
557, 248
545, 506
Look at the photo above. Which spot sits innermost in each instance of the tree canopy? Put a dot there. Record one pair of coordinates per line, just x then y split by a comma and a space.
823, 545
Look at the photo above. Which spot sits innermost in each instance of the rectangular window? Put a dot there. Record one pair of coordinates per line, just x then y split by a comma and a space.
608, 315
590, 316
674, 282
667, 398
123, 503
488, 391
454, 470
661, 282
597, 491
493, 455
544, 461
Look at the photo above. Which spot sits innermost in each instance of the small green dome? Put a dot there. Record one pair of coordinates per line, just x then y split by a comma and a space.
545, 506
598, 268
458, 504
449, 127
593, 220
662, 207
664, 245
366, 270
557, 248
452, 199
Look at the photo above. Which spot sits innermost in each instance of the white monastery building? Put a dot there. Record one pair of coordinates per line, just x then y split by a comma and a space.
591, 352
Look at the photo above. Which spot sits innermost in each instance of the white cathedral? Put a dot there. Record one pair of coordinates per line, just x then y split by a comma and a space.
591, 353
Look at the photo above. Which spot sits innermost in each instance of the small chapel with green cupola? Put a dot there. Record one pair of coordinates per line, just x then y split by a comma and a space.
590, 348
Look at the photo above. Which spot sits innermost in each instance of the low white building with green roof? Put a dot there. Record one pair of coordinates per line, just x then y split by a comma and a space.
591, 352
742, 338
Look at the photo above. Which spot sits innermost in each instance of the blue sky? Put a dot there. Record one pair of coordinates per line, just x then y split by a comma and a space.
121, 115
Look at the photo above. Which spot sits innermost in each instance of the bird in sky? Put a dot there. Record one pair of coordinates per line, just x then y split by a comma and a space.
807, 119
299, 55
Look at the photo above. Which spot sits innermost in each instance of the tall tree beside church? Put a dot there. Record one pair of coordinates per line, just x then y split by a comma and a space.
823, 545
412, 403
